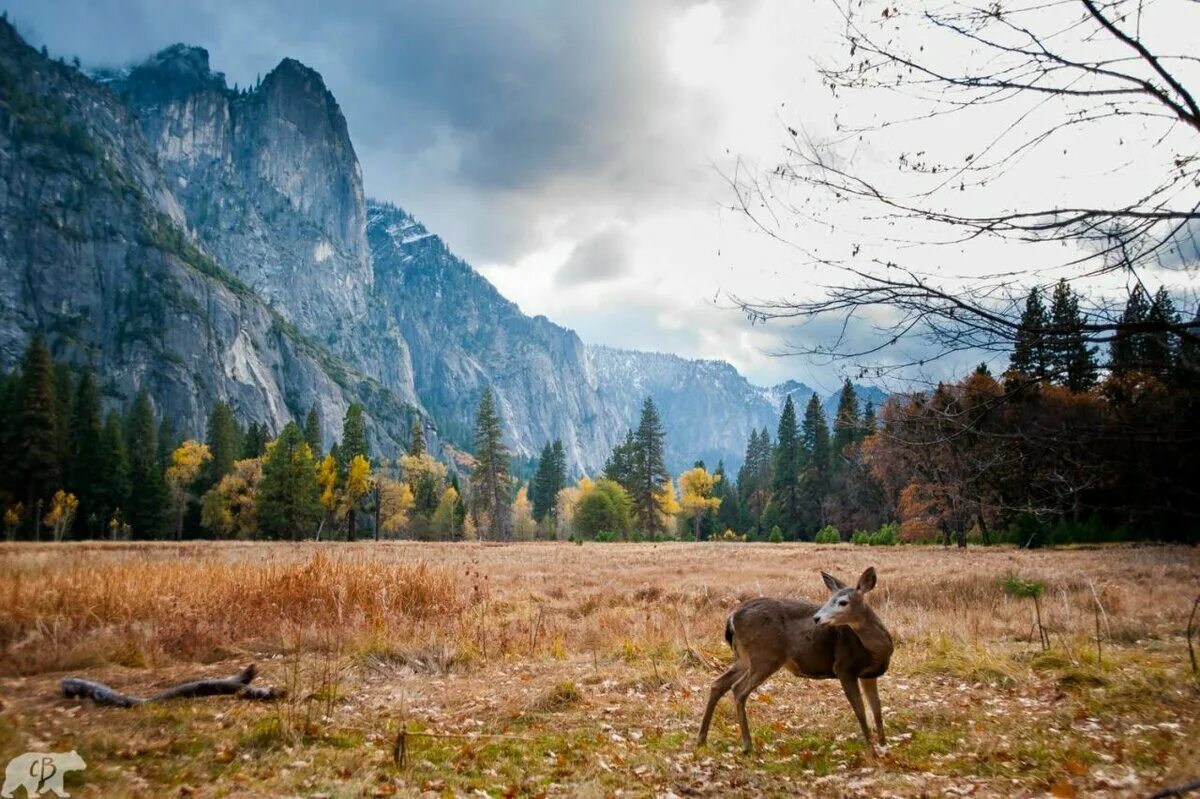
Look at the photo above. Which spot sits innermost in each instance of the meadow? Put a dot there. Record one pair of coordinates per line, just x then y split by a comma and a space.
554, 669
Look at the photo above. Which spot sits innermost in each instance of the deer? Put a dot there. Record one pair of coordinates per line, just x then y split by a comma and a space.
841, 639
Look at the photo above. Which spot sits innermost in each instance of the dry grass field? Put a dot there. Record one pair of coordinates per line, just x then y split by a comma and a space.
563, 670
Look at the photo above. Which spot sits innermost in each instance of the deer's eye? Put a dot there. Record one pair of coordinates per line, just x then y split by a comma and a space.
843, 603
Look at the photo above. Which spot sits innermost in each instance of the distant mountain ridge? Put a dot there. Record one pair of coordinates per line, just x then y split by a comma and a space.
210, 243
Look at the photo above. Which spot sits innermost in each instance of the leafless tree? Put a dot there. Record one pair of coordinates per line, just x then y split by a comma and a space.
1035, 78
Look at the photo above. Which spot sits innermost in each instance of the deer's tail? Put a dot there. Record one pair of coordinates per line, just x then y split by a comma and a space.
729, 633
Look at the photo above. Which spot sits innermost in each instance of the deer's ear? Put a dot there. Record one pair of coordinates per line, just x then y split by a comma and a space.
831, 582
867, 581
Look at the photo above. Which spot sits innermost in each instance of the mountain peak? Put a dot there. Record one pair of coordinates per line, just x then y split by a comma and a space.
292, 75
173, 72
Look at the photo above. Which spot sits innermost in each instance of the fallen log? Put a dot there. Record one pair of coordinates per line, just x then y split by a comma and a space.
237, 685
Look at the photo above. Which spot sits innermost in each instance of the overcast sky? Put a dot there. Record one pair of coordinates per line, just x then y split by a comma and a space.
574, 152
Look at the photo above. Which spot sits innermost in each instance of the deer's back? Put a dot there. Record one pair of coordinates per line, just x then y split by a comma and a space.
782, 633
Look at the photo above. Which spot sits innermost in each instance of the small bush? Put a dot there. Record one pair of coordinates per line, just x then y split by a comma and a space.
886, 536
776, 536
828, 535
1014, 586
860, 538
730, 535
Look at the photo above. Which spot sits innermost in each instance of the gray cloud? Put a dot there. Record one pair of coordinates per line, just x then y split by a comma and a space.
603, 256
475, 114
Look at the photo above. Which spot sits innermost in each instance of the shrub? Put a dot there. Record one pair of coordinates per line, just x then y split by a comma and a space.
828, 535
860, 538
776, 536
730, 535
886, 536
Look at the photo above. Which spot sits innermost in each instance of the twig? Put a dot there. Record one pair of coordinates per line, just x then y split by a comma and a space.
1178, 791
237, 685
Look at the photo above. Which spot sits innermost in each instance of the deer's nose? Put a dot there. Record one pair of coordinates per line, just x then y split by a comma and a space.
816, 619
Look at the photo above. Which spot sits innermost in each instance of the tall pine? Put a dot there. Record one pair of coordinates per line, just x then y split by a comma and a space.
1126, 352
289, 504
1072, 361
785, 480
649, 472
1030, 355
37, 440
224, 442
146, 506
416, 444
491, 475
847, 427
814, 435
312, 432
87, 431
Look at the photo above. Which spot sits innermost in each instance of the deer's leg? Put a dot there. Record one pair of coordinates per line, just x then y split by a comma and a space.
719, 687
850, 686
871, 689
754, 677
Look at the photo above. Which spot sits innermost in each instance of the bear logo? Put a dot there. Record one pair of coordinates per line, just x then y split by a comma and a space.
39, 772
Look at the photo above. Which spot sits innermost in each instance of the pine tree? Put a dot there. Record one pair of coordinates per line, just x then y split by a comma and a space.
168, 440
541, 483
491, 476
1160, 349
64, 404
785, 482
814, 434
112, 494
558, 475
869, 423
1072, 361
88, 457
289, 504
548, 480
224, 442
729, 512
353, 444
1126, 351
354, 435
254, 442
619, 466
312, 432
847, 427
37, 439
1030, 355
416, 445
649, 469
146, 505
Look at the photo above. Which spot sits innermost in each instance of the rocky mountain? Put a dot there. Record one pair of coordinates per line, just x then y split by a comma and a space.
207, 243
98, 250
708, 407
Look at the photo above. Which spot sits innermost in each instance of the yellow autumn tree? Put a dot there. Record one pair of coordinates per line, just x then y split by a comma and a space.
13, 515
523, 525
668, 505
396, 502
327, 481
445, 516
359, 482
186, 462
697, 500
230, 508
62, 512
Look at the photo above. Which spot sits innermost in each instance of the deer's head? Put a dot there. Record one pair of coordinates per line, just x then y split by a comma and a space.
845, 606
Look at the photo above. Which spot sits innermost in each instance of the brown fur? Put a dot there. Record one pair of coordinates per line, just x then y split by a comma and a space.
849, 644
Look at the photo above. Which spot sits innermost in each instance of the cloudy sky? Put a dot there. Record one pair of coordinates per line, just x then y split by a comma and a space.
576, 153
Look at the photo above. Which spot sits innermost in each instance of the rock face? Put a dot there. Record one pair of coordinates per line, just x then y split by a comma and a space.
209, 243
98, 249
465, 337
